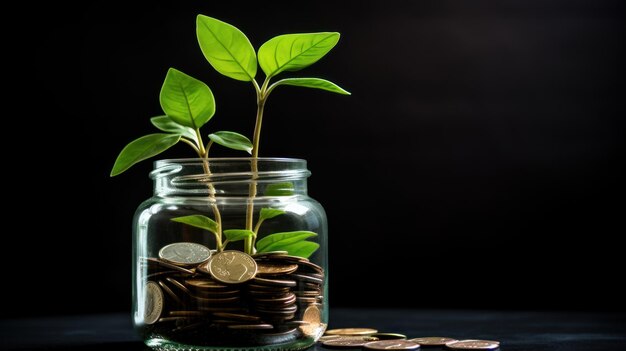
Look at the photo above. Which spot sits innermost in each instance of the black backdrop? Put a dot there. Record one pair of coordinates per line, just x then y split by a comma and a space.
480, 157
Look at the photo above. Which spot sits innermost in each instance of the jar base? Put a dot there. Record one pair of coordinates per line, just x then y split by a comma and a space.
159, 344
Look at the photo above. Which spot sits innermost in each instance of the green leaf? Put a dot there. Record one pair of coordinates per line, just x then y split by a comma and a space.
279, 189
166, 124
141, 149
198, 221
302, 248
274, 242
237, 234
186, 100
316, 83
293, 52
267, 213
226, 48
232, 140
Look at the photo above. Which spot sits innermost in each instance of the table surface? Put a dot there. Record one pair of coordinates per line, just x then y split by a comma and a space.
516, 330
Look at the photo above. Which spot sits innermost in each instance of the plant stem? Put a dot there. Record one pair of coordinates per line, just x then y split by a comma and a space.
252, 192
204, 155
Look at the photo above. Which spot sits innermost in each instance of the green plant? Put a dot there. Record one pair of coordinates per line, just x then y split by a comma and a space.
189, 104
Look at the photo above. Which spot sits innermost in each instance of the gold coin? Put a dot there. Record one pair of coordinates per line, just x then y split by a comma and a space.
392, 345
273, 268
347, 343
349, 337
473, 345
432, 340
389, 336
313, 317
153, 303
352, 331
232, 267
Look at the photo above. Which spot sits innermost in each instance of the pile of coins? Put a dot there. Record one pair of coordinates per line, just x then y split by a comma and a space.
371, 339
198, 296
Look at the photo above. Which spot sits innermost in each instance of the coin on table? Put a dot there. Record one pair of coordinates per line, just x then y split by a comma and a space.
185, 253
153, 303
392, 345
352, 331
232, 267
389, 336
345, 343
473, 345
432, 340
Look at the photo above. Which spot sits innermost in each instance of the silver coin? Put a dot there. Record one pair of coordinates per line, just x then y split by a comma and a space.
185, 253
153, 306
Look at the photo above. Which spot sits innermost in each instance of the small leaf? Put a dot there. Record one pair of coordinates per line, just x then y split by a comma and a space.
315, 83
272, 241
302, 248
186, 100
141, 149
232, 140
267, 213
198, 221
226, 48
293, 52
280, 189
237, 234
166, 124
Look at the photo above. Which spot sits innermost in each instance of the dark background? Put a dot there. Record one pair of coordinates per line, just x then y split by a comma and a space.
480, 157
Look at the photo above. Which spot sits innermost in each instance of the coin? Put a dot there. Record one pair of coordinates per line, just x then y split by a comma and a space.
250, 326
204, 284
273, 268
169, 265
274, 282
473, 345
153, 303
307, 265
270, 254
390, 336
313, 317
309, 278
186, 314
345, 343
170, 293
232, 267
432, 340
392, 345
352, 331
185, 253
179, 285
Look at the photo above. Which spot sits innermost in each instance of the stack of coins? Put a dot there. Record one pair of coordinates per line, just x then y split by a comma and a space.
231, 298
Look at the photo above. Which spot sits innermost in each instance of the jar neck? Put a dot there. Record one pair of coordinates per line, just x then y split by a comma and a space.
230, 177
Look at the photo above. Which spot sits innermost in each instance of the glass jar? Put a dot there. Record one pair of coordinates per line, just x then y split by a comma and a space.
208, 274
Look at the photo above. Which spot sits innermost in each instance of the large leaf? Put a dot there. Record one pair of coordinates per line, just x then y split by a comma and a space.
267, 213
141, 149
274, 241
316, 83
166, 124
198, 221
292, 52
301, 248
226, 48
186, 100
232, 140
279, 189
237, 234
